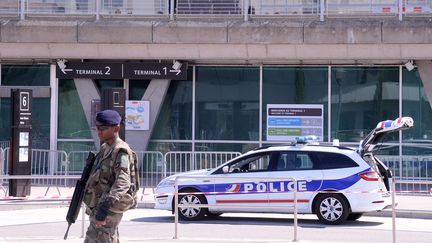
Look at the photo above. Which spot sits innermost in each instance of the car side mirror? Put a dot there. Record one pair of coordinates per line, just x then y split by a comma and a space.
225, 169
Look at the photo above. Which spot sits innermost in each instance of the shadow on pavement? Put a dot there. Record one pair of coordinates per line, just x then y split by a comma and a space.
232, 220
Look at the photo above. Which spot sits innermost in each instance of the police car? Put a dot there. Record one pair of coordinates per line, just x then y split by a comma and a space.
335, 183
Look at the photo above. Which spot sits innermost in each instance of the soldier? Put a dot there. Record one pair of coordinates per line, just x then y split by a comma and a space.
113, 182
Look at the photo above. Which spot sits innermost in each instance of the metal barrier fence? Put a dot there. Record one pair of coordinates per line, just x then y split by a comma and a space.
284, 7
1, 162
134, 7
151, 168
417, 7
358, 7
222, 8
410, 168
43, 162
76, 161
182, 161
49, 7
205, 7
150, 164
154, 166
2, 168
49, 162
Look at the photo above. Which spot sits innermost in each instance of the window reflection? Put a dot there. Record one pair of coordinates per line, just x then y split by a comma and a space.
227, 103
361, 97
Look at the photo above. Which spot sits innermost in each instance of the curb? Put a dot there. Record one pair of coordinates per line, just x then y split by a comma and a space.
403, 213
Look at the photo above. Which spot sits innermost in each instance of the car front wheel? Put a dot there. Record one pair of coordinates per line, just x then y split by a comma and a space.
332, 209
192, 213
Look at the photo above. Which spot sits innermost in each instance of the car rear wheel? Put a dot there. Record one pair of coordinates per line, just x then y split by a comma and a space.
332, 209
354, 216
192, 213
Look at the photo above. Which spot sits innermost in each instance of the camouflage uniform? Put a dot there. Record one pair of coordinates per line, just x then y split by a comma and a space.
110, 190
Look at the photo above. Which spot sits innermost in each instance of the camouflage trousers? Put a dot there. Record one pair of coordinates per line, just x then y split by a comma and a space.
108, 233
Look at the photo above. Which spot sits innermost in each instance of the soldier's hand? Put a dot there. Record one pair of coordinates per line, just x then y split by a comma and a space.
99, 223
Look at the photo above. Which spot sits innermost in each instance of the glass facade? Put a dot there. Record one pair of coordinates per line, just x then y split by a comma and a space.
71, 110
294, 85
25, 75
416, 104
137, 89
227, 103
360, 98
175, 117
227, 107
224, 108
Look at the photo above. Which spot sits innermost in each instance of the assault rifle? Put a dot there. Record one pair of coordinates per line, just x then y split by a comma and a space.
78, 194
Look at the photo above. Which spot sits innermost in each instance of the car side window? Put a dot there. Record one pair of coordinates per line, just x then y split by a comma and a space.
255, 163
334, 161
294, 161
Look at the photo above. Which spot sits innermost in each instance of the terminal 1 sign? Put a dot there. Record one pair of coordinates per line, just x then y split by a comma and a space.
286, 122
128, 70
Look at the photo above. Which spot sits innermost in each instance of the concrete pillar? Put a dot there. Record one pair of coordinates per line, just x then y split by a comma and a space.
425, 71
87, 92
155, 93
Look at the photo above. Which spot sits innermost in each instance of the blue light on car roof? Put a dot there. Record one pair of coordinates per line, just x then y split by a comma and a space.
307, 139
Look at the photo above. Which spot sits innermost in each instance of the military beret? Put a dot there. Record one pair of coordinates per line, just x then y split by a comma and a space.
108, 117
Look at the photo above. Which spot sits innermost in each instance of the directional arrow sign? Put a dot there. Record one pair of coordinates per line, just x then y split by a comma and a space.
129, 70
90, 70
154, 71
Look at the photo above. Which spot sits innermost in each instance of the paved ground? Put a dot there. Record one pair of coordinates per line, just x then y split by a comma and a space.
46, 223
149, 225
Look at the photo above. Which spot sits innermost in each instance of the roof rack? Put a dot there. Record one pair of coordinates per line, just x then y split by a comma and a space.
302, 140
277, 144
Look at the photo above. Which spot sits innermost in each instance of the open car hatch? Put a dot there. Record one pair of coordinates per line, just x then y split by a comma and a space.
383, 128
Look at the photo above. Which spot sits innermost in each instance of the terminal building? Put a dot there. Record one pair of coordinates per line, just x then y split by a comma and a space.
354, 63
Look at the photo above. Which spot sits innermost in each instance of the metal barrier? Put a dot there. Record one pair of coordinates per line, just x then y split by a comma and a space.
44, 162
205, 7
214, 8
133, 8
49, 162
284, 7
361, 7
417, 7
76, 161
51, 7
6, 157
182, 161
410, 168
151, 169
2, 170
9, 7
177, 206
150, 165
1, 162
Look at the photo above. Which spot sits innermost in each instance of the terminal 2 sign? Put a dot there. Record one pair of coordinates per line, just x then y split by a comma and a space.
132, 70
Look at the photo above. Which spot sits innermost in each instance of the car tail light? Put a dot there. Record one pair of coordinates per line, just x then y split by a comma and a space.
370, 176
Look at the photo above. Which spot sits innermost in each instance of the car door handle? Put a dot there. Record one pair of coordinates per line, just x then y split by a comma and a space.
206, 181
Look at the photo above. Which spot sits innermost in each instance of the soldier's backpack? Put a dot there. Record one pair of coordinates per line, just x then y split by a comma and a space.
130, 199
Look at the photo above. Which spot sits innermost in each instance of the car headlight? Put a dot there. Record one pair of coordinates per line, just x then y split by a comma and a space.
166, 183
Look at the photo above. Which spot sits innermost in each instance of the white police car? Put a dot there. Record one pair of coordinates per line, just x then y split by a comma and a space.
335, 183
